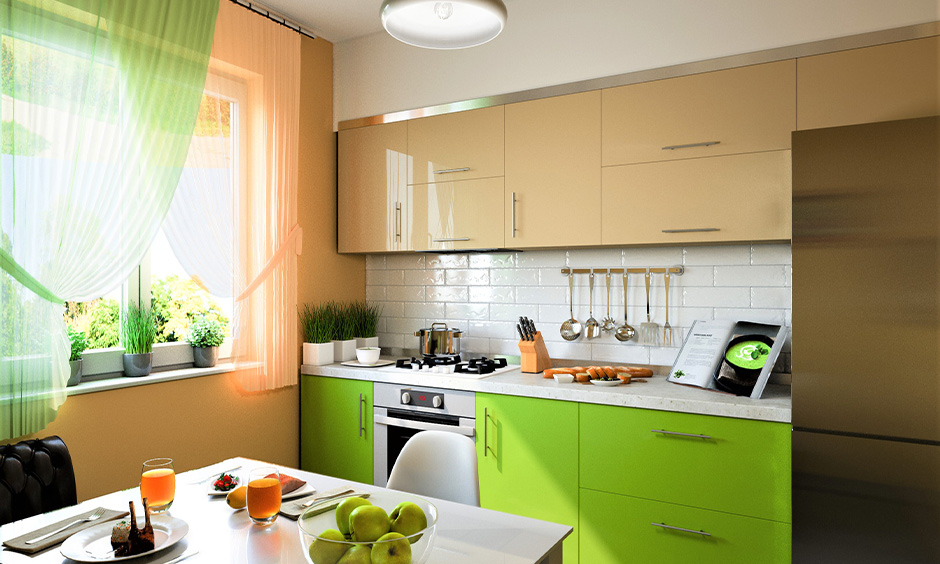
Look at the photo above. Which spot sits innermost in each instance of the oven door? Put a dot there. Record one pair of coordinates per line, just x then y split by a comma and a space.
393, 427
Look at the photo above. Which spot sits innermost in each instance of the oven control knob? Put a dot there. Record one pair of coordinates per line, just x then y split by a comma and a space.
406, 397
436, 401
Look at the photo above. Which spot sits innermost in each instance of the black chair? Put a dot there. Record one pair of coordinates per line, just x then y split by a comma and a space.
36, 476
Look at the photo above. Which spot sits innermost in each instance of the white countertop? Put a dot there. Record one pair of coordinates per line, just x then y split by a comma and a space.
655, 393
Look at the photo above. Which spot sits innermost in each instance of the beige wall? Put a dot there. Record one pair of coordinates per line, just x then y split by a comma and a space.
200, 421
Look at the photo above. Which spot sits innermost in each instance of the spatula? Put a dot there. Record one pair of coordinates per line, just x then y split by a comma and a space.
649, 331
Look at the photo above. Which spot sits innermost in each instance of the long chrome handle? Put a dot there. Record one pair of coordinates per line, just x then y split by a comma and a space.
690, 145
450, 170
486, 444
671, 528
421, 425
676, 433
514, 215
450, 240
693, 230
362, 422
398, 222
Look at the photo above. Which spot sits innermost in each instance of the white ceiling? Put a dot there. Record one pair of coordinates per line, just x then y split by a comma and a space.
333, 20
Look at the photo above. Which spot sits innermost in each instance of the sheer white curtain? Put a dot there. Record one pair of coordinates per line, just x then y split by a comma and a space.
264, 58
99, 100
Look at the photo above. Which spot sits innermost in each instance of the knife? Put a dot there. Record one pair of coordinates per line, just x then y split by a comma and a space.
524, 331
521, 332
182, 557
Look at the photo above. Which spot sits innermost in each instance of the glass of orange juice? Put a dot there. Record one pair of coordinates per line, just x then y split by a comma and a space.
158, 484
264, 495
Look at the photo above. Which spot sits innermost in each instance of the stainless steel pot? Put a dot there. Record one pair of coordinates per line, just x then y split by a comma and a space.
438, 340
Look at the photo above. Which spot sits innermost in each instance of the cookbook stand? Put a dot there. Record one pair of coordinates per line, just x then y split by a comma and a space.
534, 355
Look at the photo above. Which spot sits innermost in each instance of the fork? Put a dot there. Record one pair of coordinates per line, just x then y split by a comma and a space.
667, 329
93, 517
320, 498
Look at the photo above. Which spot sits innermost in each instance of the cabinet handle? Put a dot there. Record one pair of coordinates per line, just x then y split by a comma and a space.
450, 170
362, 422
692, 230
450, 240
676, 433
486, 435
690, 145
398, 222
671, 528
514, 215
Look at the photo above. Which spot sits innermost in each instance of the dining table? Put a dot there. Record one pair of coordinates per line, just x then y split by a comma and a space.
219, 534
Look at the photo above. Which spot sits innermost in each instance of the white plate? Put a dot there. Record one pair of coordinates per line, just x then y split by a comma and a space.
210, 489
607, 383
303, 490
167, 531
360, 365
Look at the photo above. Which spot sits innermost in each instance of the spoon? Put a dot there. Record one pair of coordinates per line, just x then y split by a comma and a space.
571, 329
608, 322
593, 327
625, 332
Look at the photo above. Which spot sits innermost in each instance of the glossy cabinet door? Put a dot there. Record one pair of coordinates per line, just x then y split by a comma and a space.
527, 451
731, 465
617, 529
740, 110
372, 205
457, 146
720, 199
881, 83
553, 173
336, 427
462, 214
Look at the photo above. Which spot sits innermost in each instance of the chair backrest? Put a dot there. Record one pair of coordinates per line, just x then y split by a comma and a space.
438, 464
36, 476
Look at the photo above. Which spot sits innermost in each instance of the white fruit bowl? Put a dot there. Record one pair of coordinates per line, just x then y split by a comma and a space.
312, 525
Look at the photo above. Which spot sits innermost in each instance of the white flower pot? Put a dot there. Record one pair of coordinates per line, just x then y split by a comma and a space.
344, 350
318, 354
367, 342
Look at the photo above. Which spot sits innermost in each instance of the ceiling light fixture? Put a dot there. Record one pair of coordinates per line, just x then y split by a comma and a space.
444, 25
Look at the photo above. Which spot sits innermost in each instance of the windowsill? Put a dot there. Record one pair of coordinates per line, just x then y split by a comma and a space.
153, 378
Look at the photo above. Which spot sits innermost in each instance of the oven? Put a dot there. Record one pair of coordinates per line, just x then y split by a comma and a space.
401, 411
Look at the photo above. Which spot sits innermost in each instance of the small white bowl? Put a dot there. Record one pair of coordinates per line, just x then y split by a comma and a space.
564, 378
368, 355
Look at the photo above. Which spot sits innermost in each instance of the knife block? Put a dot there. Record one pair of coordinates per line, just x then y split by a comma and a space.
534, 355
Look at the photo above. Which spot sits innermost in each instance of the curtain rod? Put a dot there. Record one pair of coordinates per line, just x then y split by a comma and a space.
275, 17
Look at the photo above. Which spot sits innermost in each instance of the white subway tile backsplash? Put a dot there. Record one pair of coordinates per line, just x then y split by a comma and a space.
484, 295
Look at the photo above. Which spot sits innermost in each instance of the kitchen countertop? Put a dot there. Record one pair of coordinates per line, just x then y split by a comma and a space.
655, 393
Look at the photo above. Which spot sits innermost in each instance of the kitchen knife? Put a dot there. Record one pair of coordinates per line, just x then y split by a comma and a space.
532, 328
521, 333
525, 330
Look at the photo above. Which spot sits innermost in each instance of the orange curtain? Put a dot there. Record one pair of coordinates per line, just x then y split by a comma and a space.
265, 57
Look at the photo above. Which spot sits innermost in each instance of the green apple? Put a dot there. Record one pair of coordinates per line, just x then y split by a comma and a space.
358, 554
408, 518
396, 551
344, 509
326, 552
367, 523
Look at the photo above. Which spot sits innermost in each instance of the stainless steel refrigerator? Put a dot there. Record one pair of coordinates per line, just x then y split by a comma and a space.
866, 343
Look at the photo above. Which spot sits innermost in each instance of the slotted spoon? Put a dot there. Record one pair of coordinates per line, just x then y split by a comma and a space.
608, 322
592, 326
571, 329
667, 329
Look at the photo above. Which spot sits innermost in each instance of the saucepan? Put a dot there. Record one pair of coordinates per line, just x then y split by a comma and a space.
438, 340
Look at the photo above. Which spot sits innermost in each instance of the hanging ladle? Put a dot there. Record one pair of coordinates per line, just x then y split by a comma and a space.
625, 332
571, 329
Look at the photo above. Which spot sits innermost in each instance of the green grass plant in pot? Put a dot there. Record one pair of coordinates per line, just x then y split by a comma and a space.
344, 331
138, 333
206, 335
367, 323
79, 344
317, 324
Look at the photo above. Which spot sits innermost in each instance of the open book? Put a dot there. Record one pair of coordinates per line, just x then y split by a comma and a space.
730, 356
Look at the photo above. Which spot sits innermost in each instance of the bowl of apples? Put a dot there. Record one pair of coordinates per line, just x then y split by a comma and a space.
388, 527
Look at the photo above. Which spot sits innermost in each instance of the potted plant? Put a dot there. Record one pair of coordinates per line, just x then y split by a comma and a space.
205, 335
344, 331
317, 324
367, 324
138, 333
79, 344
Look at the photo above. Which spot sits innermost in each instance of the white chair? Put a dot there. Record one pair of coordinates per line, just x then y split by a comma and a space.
438, 464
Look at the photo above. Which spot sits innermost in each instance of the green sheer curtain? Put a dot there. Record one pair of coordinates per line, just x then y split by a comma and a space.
99, 103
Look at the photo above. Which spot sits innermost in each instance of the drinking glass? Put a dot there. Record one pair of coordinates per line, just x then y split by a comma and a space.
158, 484
264, 495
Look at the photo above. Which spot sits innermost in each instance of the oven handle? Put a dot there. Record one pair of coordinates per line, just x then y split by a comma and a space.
421, 425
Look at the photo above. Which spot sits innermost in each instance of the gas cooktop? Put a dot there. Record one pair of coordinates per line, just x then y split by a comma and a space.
452, 365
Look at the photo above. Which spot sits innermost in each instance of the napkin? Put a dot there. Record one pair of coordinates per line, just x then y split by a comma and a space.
293, 509
19, 543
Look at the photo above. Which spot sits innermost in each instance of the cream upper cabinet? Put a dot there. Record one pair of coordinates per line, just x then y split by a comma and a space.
881, 83
457, 146
740, 110
729, 198
460, 214
553, 172
373, 206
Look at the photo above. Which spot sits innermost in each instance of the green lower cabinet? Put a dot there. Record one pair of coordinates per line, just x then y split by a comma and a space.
528, 459
336, 427
618, 529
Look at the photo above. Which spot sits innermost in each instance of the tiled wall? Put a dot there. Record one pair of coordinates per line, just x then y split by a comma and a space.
484, 295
